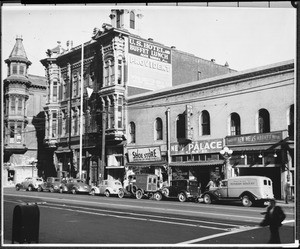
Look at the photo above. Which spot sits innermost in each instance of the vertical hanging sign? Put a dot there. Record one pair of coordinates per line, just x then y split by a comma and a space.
188, 128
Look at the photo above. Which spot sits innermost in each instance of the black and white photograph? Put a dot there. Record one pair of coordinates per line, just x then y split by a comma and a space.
149, 125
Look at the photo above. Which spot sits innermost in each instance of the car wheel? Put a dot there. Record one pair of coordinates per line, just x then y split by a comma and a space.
107, 194
29, 188
139, 194
157, 196
51, 189
73, 191
17, 187
182, 197
92, 192
61, 190
121, 193
207, 199
246, 201
39, 189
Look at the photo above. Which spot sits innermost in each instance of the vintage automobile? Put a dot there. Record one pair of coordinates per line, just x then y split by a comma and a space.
74, 186
144, 185
247, 189
183, 189
52, 184
108, 188
30, 183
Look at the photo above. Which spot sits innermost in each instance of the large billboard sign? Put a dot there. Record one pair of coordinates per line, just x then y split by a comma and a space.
149, 64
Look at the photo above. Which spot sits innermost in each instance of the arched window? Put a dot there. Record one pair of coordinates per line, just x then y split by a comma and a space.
263, 121
180, 126
132, 20
205, 123
158, 129
235, 124
131, 132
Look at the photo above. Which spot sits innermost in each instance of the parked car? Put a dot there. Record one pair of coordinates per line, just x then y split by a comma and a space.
52, 184
247, 189
108, 188
182, 189
74, 186
30, 183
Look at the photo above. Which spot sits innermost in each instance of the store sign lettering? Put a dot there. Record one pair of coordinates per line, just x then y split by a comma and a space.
149, 50
255, 138
197, 147
144, 154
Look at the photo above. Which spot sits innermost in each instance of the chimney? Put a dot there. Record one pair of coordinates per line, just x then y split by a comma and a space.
68, 45
226, 64
71, 44
150, 39
213, 60
173, 47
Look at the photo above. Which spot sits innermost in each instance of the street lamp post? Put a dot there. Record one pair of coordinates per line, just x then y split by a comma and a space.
226, 153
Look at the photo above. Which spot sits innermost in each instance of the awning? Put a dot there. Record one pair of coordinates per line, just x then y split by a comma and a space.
269, 147
147, 164
193, 164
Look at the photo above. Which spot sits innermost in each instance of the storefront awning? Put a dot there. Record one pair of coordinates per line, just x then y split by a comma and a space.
194, 164
269, 147
147, 164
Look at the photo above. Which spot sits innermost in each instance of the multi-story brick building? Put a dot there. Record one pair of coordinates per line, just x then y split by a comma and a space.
24, 96
180, 131
117, 63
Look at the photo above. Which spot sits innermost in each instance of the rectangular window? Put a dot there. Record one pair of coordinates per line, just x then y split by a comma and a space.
75, 124
119, 72
22, 69
67, 124
106, 74
54, 91
19, 134
14, 69
120, 112
60, 96
13, 105
112, 73
54, 124
59, 128
20, 106
12, 134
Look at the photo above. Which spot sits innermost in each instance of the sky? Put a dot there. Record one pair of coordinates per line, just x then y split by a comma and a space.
244, 37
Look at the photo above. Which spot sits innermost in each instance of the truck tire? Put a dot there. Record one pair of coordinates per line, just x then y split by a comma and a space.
182, 197
246, 201
165, 192
51, 189
139, 194
157, 196
107, 194
207, 199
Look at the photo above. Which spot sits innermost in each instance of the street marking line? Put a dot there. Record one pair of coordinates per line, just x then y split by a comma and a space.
242, 229
155, 216
135, 218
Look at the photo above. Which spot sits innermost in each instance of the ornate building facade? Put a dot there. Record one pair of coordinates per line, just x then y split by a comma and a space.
24, 96
115, 64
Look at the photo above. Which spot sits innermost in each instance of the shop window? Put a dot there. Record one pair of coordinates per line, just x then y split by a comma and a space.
235, 124
158, 129
263, 121
205, 123
132, 132
253, 158
132, 20
180, 126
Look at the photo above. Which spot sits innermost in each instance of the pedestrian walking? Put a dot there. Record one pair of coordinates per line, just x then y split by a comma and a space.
273, 218
287, 188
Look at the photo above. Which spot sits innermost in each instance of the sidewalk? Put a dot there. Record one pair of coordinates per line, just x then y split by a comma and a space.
282, 203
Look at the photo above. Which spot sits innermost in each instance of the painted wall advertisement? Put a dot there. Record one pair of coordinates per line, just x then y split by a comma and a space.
149, 64
144, 154
197, 147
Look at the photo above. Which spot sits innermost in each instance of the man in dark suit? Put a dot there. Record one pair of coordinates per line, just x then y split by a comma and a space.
274, 216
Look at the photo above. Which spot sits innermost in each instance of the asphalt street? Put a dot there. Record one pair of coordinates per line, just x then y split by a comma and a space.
93, 220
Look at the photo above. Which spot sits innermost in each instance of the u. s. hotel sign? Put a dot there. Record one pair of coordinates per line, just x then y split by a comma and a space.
270, 137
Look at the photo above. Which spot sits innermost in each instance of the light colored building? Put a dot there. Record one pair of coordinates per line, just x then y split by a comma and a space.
24, 96
251, 112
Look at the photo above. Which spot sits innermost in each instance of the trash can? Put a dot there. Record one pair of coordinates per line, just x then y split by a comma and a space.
26, 222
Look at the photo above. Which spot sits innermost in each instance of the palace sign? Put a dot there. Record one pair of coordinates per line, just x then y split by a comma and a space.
197, 147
